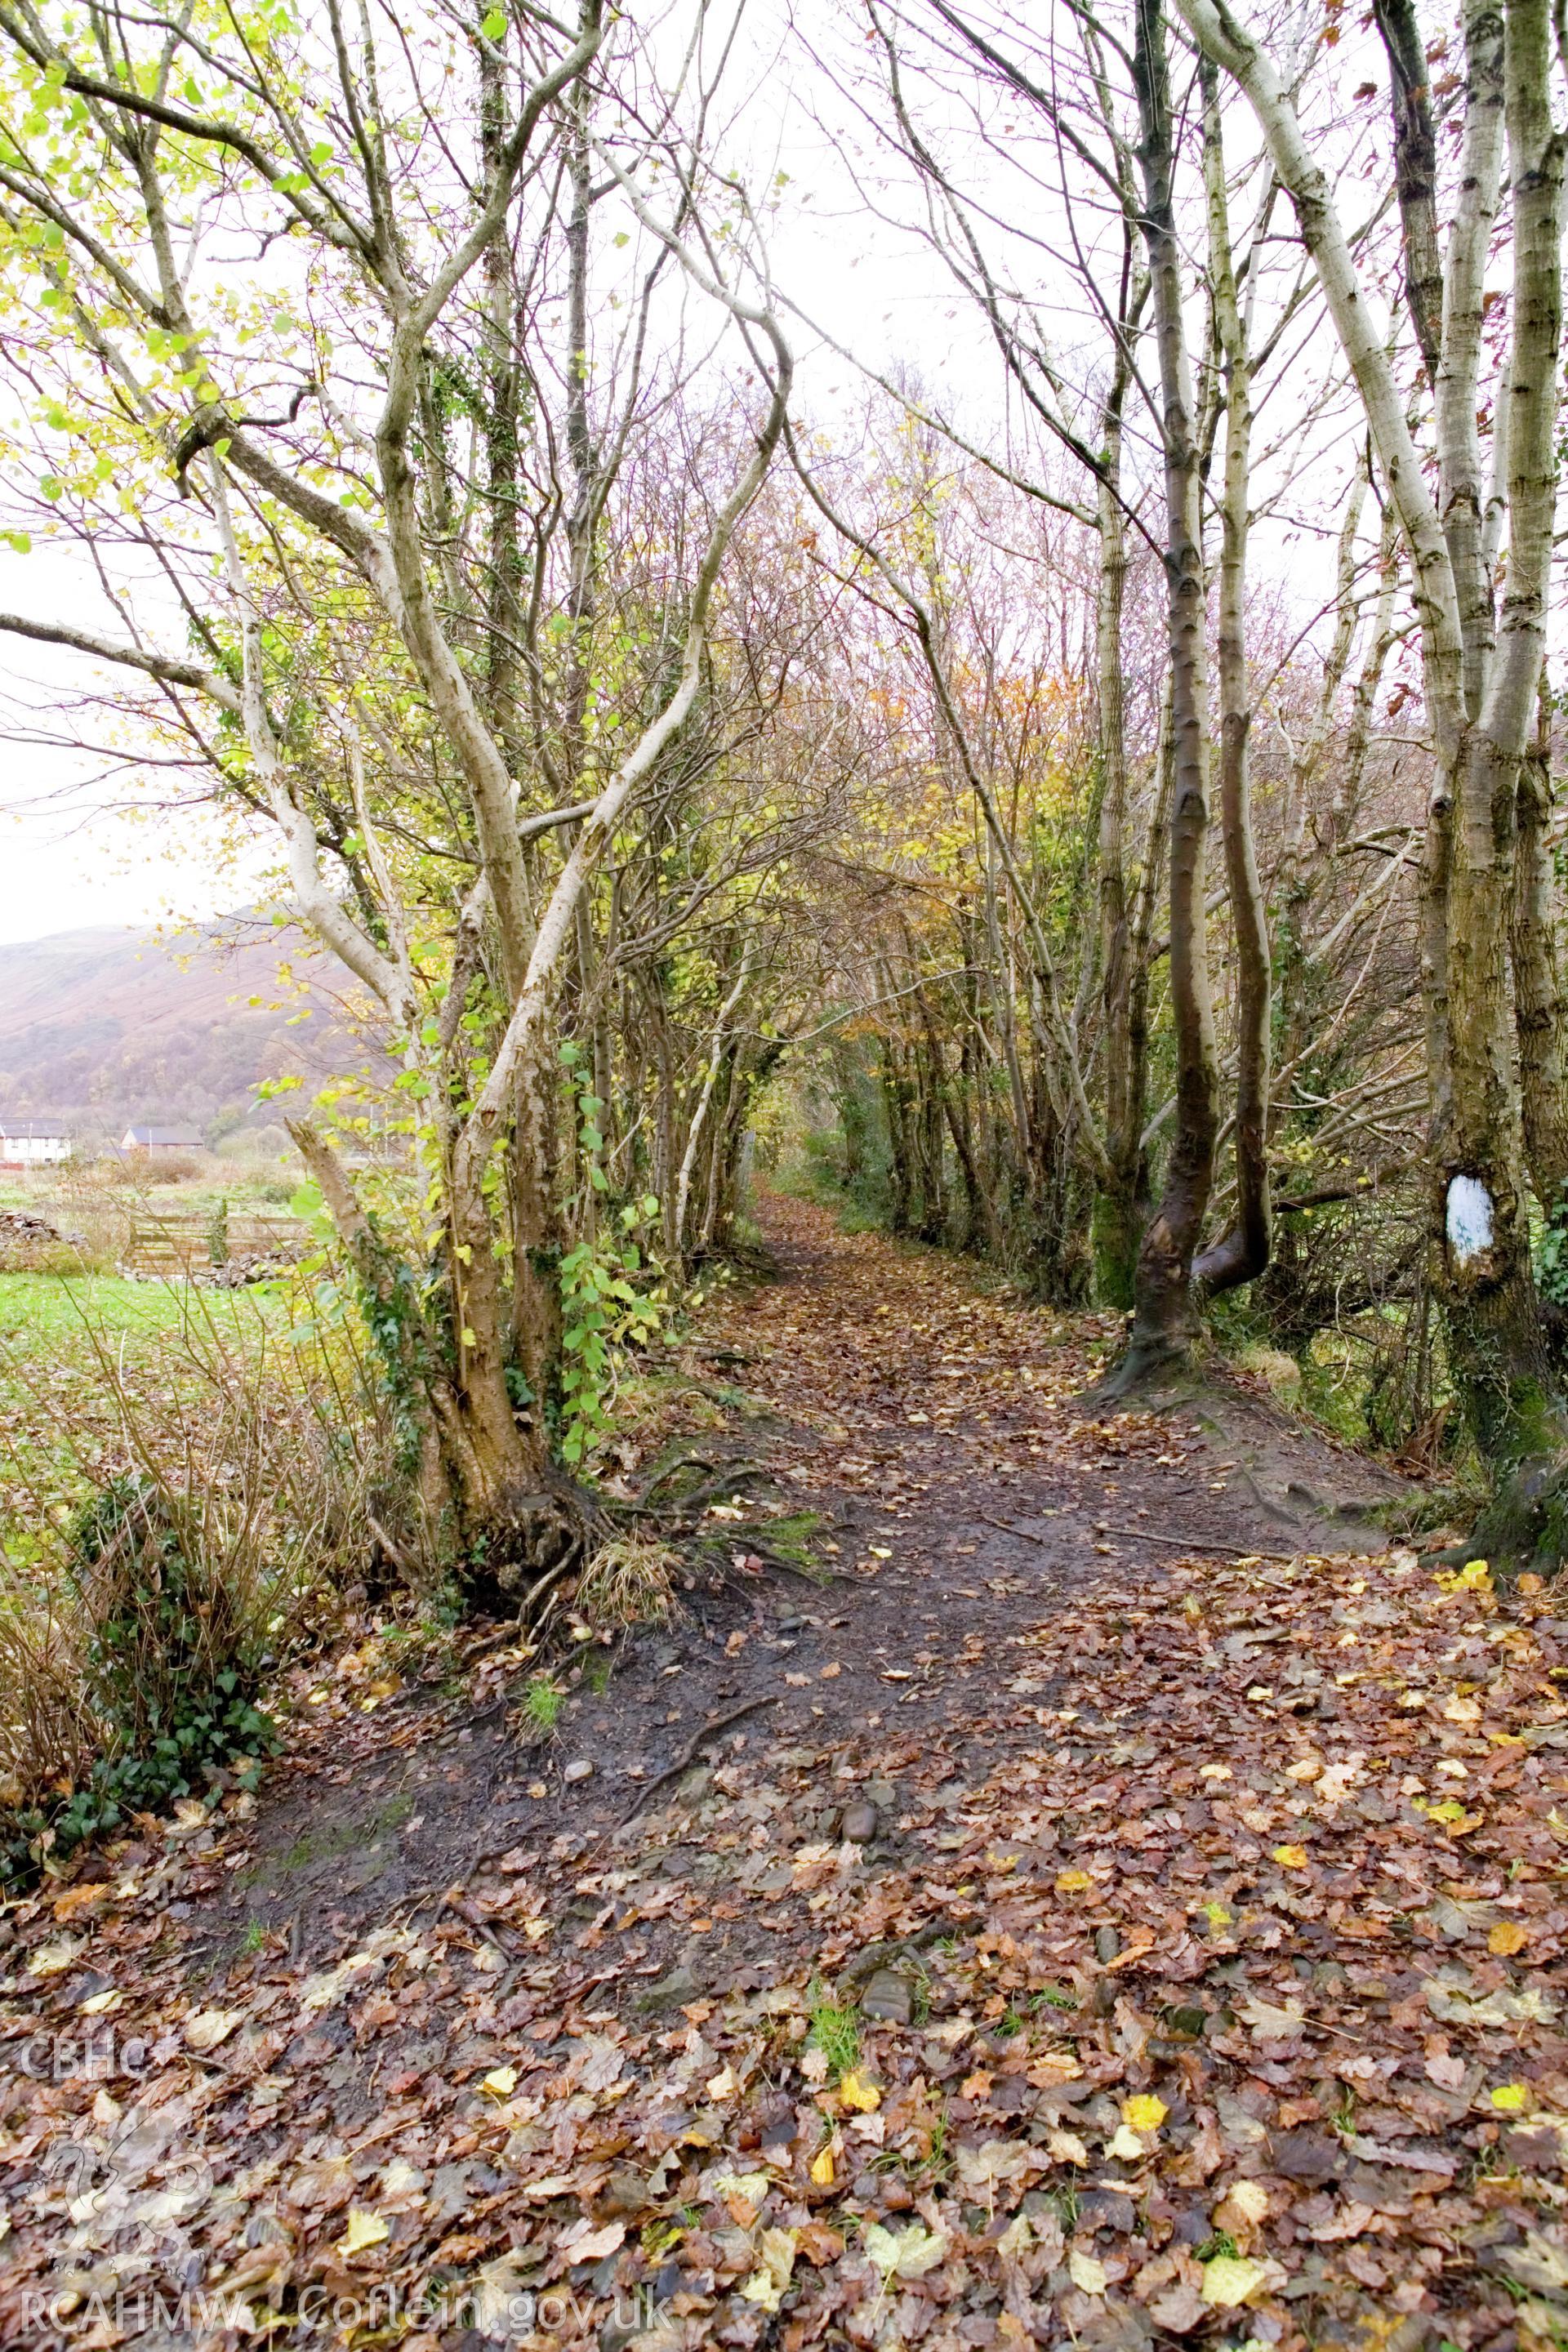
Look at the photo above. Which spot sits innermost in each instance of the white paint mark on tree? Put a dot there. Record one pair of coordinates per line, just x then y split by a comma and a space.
1470, 1218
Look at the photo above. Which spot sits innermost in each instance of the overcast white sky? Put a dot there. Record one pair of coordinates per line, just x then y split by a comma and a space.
67, 860
59, 875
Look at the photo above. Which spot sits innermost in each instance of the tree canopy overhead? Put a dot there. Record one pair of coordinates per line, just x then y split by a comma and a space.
1107, 760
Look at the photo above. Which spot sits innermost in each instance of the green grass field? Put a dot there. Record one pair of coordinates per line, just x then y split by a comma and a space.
78, 1354
53, 1314
67, 1321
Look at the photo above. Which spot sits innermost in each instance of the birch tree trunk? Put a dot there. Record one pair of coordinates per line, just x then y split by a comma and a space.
1243, 1253
1540, 1014
1415, 173
1163, 1322
1480, 701
1116, 1202
704, 1099
1495, 1328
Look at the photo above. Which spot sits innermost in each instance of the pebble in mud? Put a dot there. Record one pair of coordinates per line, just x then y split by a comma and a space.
889, 1996
670, 1992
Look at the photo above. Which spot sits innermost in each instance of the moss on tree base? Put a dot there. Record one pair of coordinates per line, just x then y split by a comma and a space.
1525, 1524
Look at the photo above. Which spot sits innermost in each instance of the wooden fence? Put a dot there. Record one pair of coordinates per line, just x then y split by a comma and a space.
181, 1243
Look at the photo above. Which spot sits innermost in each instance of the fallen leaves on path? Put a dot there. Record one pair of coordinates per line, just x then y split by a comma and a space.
1200, 1980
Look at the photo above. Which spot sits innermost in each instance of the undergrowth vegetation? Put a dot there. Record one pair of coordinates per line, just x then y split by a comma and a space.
190, 1480
172, 1520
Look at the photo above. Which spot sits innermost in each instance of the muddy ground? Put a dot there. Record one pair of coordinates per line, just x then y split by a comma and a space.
938, 1436
1059, 1877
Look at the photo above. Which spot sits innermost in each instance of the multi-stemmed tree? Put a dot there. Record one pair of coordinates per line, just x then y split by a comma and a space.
1480, 550
301, 337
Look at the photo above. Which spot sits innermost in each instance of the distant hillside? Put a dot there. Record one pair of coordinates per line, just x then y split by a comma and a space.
100, 1027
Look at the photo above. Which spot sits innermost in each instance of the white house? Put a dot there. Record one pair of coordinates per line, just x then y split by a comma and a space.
161, 1139
28, 1143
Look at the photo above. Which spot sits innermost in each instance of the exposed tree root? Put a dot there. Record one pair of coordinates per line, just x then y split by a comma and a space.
1525, 1524
1151, 1368
683, 1763
536, 1536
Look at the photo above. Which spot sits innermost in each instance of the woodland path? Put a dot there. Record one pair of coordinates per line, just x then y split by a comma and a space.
936, 1433
1086, 1943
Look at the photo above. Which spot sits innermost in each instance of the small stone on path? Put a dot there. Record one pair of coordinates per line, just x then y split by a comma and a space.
670, 1992
889, 1996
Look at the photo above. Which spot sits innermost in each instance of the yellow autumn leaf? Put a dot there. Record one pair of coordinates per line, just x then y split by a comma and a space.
1144, 2111
1476, 1576
208, 2027
1450, 1812
1126, 2145
501, 2081
1015, 2240
1229, 2279
1510, 2098
856, 2092
98, 2004
751, 2187
52, 1959
1089, 2276
907, 2254
822, 2169
364, 2229
767, 2285
1291, 1857
1507, 1939
1073, 1882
